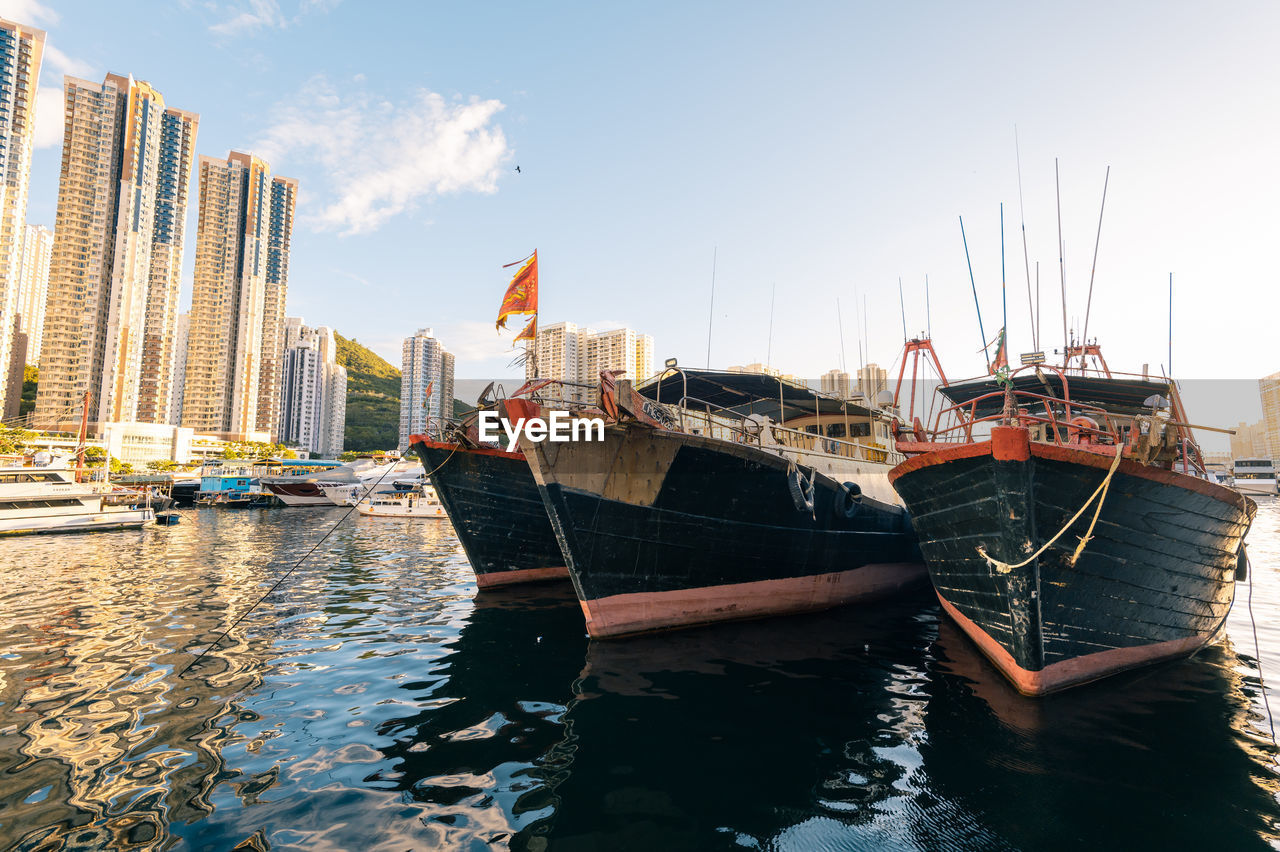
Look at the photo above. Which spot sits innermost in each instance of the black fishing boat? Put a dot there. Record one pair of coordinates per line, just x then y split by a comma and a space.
1068, 525
493, 502
490, 495
747, 497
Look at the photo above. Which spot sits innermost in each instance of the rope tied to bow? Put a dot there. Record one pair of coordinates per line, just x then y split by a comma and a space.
1099, 494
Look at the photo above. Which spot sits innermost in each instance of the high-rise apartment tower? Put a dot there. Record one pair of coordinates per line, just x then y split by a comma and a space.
236, 340
113, 278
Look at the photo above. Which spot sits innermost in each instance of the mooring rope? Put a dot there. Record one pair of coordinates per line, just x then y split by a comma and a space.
1257, 653
1100, 494
304, 557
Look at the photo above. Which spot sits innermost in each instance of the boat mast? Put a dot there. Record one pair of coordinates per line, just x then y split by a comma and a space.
711, 313
976, 306
81, 438
1062, 267
1026, 257
1093, 269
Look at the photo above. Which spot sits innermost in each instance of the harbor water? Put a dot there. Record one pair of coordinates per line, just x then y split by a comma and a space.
374, 701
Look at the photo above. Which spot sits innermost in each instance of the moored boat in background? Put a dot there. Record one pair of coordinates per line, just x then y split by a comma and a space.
419, 502
50, 500
1064, 524
1255, 477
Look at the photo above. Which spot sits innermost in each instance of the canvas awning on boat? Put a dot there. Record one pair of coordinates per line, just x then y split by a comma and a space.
1126, 396
744, 393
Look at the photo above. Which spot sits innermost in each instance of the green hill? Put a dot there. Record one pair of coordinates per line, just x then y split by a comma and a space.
373, 398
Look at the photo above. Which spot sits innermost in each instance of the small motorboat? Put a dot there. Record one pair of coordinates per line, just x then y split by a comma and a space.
419, 502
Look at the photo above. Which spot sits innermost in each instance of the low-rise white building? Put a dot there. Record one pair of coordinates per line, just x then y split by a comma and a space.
139, 443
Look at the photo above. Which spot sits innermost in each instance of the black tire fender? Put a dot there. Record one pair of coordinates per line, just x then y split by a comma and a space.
848, 502
801, 488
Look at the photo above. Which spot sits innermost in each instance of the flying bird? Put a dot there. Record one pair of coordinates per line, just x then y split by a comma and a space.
517, 170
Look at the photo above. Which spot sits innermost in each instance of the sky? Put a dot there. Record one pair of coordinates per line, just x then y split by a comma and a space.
805, 156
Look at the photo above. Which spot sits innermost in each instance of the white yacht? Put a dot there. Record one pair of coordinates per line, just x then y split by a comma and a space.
1255, 476
420, 502
347, 493
49, 500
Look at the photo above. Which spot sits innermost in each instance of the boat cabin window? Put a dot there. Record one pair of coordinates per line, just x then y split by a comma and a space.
38, 504
24, 476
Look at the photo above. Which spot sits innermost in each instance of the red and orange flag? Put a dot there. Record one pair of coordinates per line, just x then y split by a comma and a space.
530, 331
522, 294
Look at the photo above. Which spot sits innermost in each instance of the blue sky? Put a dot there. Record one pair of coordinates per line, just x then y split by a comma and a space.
825, 148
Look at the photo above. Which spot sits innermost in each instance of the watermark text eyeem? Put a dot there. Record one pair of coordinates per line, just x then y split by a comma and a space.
559, 427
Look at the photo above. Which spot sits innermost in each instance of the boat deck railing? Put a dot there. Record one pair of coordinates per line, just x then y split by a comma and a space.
701, 417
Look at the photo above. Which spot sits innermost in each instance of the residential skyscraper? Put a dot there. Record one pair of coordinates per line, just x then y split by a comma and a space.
426, 385
21, 49
836, 383
313, 390
1269, 390
237, 308
33, 286
178, 388
125, 164
567, 353
871, 380
159, 344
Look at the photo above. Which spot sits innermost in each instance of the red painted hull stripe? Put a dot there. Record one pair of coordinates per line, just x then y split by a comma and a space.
1056, 676
640, 612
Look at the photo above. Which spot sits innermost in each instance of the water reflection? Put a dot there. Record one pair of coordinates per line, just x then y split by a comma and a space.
376, 701
1163, 758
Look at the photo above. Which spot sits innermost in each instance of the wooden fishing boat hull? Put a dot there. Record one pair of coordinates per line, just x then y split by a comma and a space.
497, 513
1154, 582
665, 529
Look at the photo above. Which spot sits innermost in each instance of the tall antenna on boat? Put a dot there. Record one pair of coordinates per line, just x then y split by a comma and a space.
711, 314
857, 323
928, 313
902, 305
1026, 257
1004, 298
978, 307
1171, 324
1089, 303
768, 358
866, 331
1062, 263
1037, 323
840, 320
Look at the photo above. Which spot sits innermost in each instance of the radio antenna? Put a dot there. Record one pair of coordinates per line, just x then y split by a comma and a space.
1089, 303
1026, 257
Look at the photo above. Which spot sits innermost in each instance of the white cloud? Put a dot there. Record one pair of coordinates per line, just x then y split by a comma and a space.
244, 18
49, 100
478, 341
382, 159
30, 12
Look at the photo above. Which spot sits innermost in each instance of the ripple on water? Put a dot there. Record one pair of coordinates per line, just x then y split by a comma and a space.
374, 701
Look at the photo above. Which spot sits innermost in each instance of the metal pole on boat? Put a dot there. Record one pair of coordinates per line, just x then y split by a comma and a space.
1170, 325
1062, 264
768, 357
902, 306
711, 314
1026, 257
1089, 303
976, 306
1004, 298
